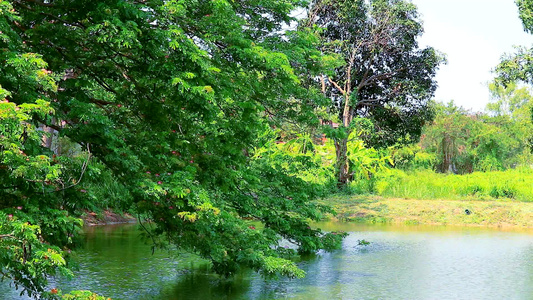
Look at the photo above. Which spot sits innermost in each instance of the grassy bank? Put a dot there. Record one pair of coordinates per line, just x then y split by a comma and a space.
375, 209
514, 184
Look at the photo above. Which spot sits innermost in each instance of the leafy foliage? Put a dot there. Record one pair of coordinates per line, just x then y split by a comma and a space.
170, 98
34, 231
25, 258
517, 67
385, 77
462, 142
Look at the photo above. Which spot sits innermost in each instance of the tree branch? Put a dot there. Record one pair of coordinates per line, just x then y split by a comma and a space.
337, 86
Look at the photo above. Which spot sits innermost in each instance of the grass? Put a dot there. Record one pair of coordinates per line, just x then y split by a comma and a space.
375, 209
497, 199
514, 184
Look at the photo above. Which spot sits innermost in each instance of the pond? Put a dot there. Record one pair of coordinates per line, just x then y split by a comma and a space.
401, 262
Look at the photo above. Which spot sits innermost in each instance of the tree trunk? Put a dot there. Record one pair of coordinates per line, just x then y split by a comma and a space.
48, 139
342, 166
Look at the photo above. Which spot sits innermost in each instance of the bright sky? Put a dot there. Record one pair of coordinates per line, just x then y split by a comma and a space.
473, 34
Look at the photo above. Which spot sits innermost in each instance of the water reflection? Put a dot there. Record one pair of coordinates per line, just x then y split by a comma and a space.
400, 263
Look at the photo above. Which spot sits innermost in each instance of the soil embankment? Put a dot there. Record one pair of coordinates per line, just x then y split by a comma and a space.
106, 217
503, 213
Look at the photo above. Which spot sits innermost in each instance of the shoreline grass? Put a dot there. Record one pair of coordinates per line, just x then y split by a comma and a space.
426, 184
488, 213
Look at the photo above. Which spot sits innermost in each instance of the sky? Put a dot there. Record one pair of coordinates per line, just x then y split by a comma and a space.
473, 34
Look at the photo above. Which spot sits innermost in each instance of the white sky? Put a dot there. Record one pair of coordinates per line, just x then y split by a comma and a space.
473, 34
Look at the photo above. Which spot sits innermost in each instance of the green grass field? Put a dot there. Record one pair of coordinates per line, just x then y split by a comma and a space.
516, 184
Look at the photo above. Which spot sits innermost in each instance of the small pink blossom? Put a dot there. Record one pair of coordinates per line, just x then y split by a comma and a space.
159, 182
83, 191
19, 207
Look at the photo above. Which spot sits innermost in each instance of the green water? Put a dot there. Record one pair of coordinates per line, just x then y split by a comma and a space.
406, 262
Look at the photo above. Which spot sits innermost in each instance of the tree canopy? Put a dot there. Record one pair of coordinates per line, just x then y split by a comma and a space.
518, 66
172, 98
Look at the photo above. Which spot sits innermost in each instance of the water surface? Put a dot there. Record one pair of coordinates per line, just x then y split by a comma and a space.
401, 262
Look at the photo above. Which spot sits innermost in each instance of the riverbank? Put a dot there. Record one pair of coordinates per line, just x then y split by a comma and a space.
379, 210
490, 213
106, 217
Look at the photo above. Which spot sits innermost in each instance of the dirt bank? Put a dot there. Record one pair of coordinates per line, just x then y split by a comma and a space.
106, 217
373, 209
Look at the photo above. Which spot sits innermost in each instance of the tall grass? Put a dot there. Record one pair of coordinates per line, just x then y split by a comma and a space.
426, 184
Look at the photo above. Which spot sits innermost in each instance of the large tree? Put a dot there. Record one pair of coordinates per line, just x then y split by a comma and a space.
386, 77
519, 66
171, 96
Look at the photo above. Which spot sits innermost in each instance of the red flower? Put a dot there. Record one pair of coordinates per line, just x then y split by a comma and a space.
53, 291
252, 227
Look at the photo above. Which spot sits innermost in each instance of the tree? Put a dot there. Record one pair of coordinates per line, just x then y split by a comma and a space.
386, 78
35, 233
510, 100
512, 108
172, 97
518, 66
463, 142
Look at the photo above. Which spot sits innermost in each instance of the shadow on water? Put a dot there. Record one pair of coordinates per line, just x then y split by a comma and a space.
201, 284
